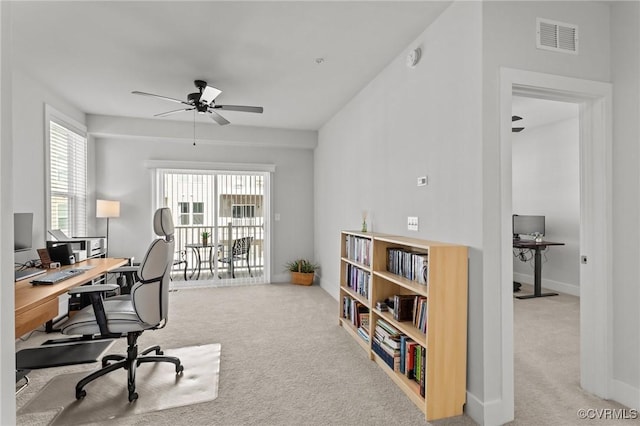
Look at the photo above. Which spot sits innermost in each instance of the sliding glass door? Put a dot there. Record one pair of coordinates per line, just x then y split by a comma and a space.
221, 220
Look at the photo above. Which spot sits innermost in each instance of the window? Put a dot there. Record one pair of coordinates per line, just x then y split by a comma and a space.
240, 211
198, 213
67, 174
183, 213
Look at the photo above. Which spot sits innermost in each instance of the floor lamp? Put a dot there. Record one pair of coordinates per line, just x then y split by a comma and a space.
107, 209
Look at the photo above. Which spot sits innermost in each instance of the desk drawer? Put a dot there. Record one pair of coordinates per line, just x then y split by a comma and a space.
35, 317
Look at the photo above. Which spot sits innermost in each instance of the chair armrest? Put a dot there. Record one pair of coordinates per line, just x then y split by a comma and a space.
97, 288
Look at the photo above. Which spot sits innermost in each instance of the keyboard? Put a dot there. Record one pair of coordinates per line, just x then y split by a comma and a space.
23, 274
56, 277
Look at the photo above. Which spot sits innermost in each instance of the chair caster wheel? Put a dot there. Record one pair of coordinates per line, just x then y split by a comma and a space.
179, 369
81, 394
133, 396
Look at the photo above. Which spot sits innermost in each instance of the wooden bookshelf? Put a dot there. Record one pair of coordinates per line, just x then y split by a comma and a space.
445, 290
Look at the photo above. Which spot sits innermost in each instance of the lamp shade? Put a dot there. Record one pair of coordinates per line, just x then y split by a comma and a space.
107, 208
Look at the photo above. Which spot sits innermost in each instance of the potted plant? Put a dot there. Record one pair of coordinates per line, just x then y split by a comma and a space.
205, 238
302, 271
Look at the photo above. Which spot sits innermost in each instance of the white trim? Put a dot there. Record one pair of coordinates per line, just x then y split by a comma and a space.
625, 394
596, 325
559, 286
210, 166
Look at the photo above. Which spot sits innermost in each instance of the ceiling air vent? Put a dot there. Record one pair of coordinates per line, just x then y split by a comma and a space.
557, 36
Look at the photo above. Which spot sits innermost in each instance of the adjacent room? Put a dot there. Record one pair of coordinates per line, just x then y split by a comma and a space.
305, 211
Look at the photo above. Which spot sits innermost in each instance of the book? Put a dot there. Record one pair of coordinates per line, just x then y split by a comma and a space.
423, 370
403, 306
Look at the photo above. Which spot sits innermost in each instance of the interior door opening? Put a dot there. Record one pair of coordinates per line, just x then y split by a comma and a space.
595, 123
546, 200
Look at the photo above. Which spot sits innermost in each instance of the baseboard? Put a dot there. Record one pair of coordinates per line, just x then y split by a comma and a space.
625, 394
558, 286
281, 278
486, 413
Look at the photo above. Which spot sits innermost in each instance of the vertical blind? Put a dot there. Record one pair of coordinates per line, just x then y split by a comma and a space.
228, 206
67, 179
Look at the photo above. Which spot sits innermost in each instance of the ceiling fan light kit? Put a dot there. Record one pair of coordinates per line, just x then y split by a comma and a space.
203, 101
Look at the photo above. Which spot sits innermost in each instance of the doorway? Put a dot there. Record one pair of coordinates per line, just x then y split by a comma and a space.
221, 232
546, 187
594, 101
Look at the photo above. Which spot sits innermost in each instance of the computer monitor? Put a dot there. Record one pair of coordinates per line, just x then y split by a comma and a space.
527, 225
22, 231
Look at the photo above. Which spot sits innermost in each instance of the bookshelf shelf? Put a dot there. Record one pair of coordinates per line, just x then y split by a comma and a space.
355, 295
403, 282
428, 283
357, 264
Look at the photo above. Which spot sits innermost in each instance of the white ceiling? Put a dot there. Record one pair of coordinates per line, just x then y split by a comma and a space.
258, 53
541, 112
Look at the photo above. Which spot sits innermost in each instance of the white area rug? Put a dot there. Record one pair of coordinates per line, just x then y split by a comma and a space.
157, 384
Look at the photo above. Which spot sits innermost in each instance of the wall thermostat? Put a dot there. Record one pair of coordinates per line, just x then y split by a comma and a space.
414, 57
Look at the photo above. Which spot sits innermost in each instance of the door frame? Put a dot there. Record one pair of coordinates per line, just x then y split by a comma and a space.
595, 121
185, 166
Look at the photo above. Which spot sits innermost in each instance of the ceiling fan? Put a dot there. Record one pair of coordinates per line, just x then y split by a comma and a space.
203, 101
516, 129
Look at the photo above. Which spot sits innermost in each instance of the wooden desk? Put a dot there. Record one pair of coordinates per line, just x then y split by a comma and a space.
37, 304
536, 246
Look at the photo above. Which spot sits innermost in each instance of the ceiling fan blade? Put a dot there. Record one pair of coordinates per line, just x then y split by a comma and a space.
517, 129
135, 92
218, 118
242, 108
515, 118
209, 94
163, 114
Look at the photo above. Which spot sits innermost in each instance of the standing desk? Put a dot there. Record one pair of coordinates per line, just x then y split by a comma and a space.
537, 247
38, 304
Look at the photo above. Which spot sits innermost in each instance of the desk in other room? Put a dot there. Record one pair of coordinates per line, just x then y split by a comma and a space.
38, 304
537, 247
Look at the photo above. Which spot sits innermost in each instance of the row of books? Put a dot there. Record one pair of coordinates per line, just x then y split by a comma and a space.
409, 307
358, 280
411, 265
400, 353
413, 360
355, 312
358, 249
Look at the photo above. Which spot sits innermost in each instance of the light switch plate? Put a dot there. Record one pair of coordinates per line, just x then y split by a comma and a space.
412, 223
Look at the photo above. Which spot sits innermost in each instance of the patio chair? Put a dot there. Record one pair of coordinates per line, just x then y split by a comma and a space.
239, 251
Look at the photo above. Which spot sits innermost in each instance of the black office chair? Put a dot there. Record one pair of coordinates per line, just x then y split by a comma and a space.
239, 251
145, 308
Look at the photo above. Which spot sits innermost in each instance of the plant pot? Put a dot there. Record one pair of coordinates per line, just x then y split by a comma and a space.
302, 278
205, 241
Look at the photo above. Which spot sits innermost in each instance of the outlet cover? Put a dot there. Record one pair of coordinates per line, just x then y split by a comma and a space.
423, 181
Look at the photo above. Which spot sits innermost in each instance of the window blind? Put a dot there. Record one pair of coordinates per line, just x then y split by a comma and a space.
67, 179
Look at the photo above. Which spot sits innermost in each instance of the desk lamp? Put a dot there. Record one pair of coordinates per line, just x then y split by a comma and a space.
107, 209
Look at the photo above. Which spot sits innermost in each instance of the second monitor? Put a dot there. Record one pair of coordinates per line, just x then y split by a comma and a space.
528, 225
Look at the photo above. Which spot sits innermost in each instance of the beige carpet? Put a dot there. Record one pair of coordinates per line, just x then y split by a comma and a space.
158, 386
287, 362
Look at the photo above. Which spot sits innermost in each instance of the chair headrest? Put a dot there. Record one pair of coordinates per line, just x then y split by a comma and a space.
162, 222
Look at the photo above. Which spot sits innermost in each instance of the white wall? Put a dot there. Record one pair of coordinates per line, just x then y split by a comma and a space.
29, 151
408, 123
121, 174
625, 66
546, 181
606, 54
7, 312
